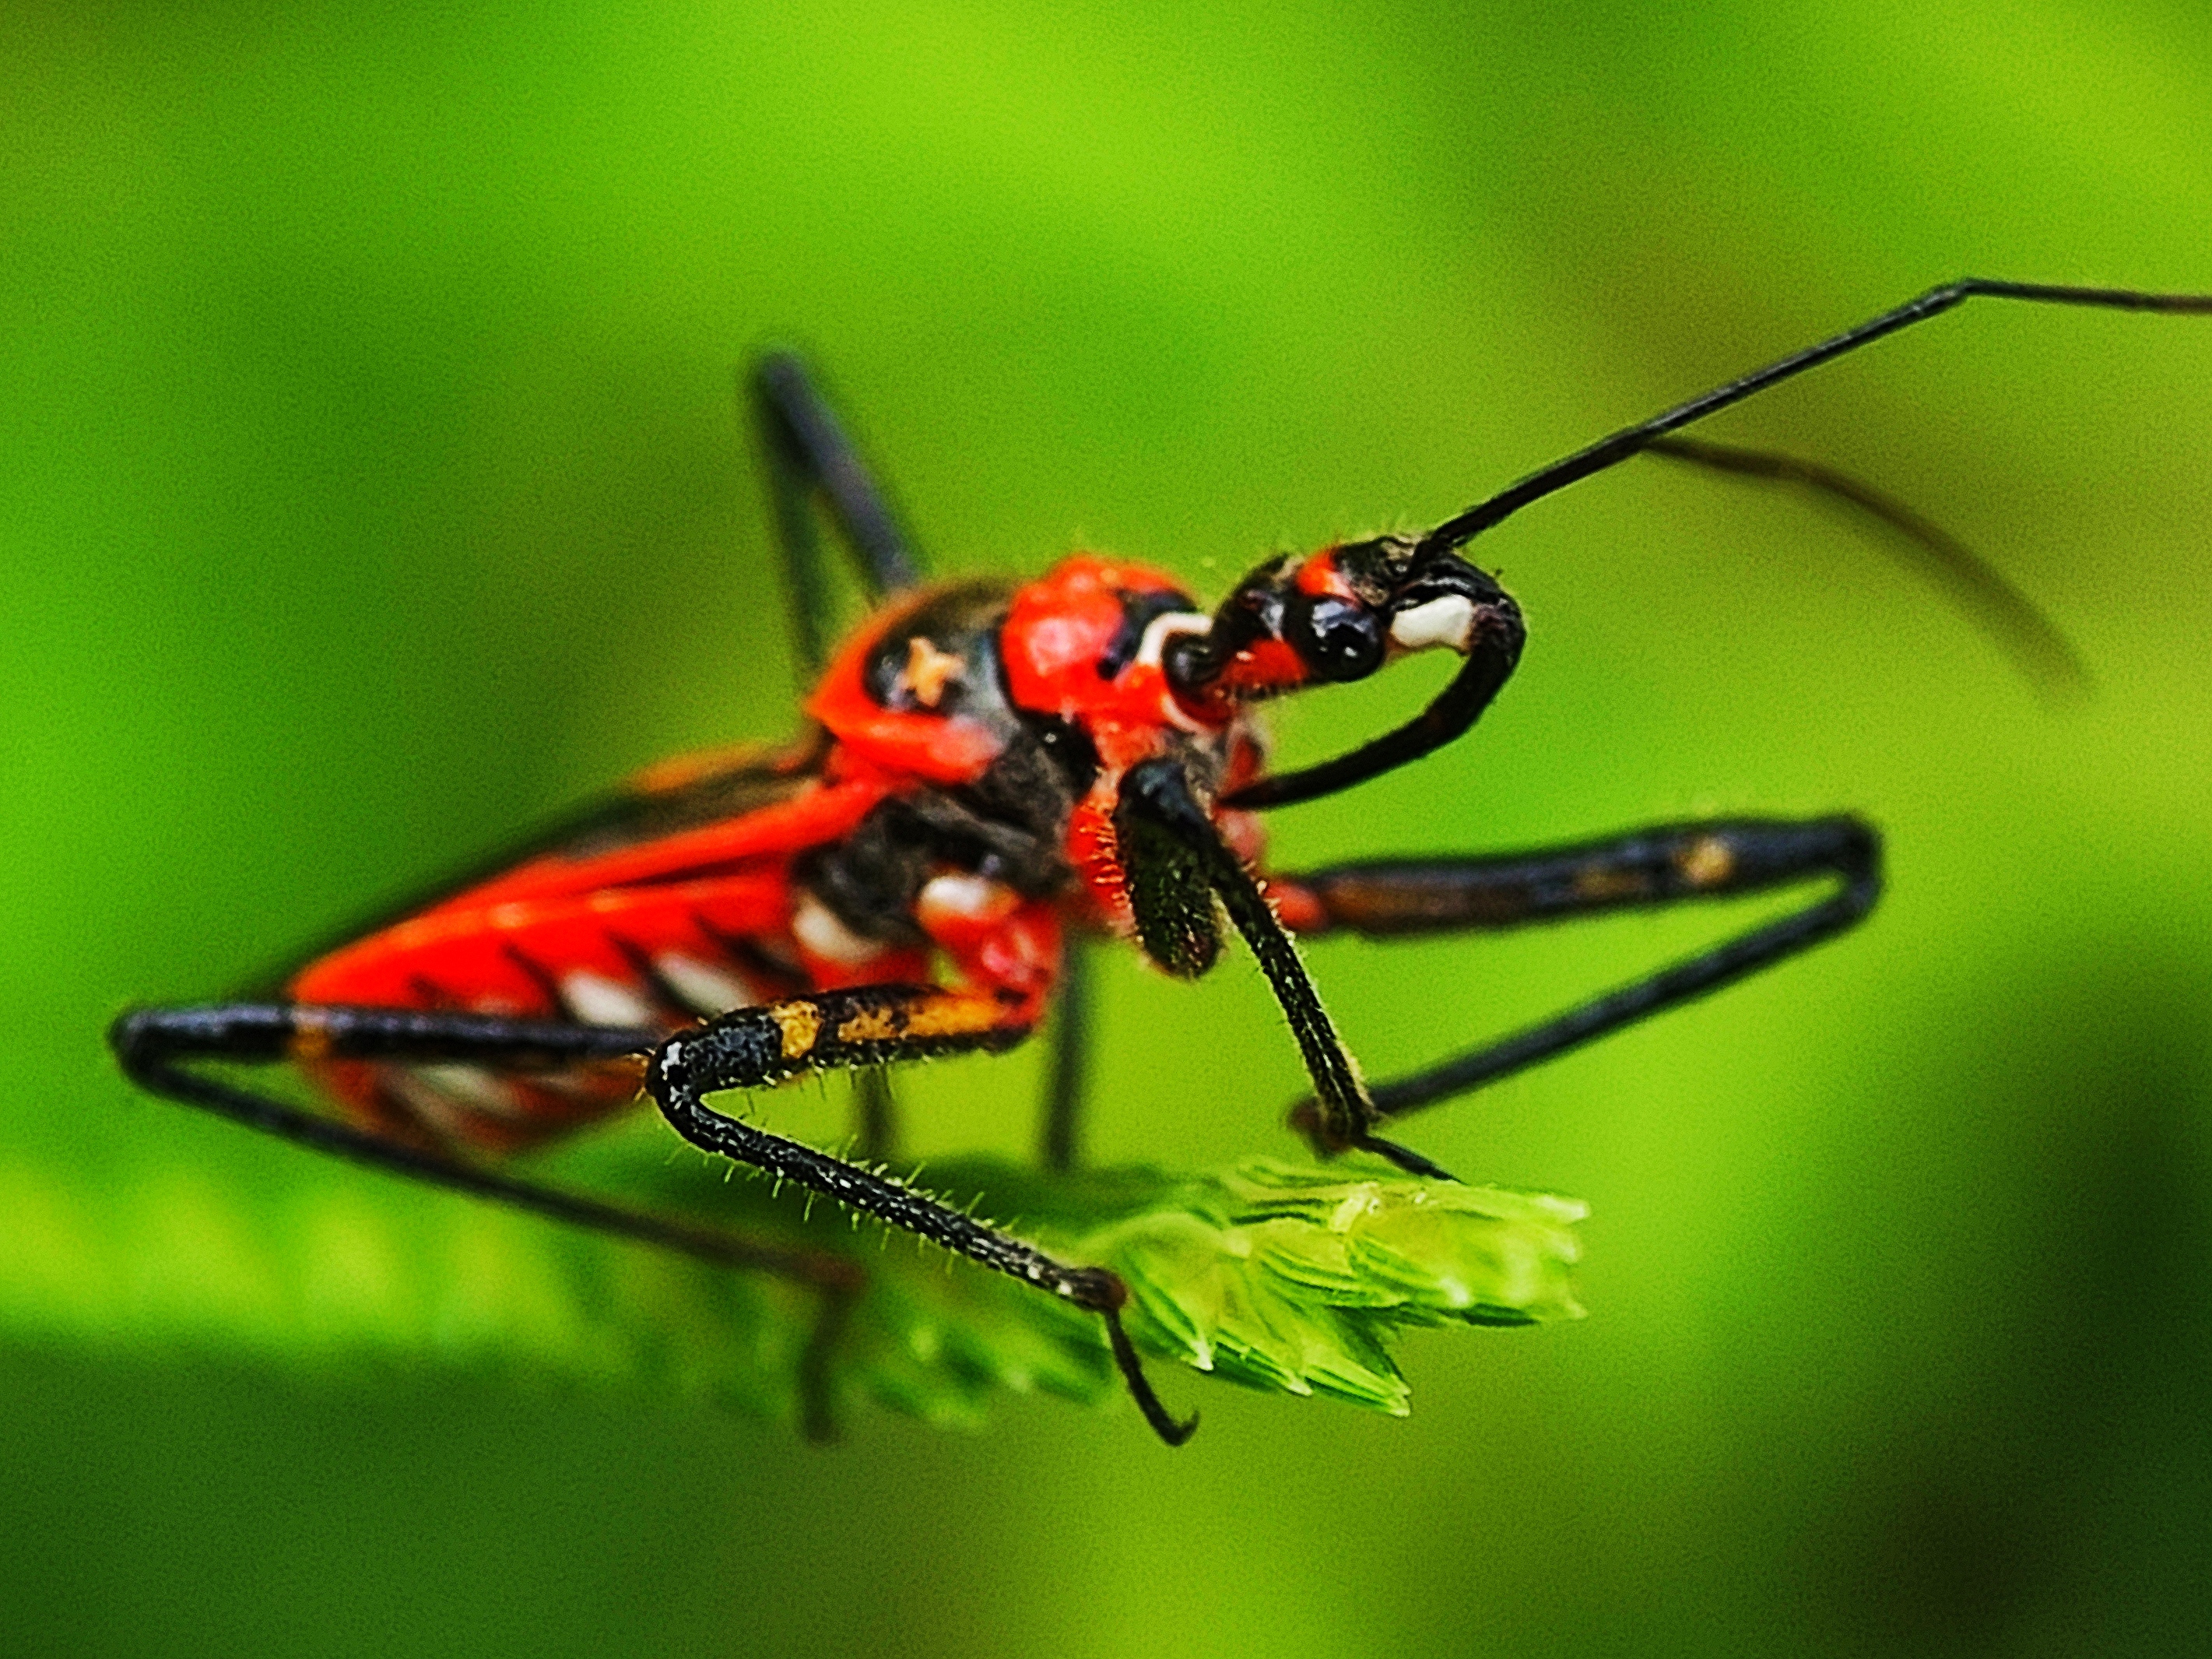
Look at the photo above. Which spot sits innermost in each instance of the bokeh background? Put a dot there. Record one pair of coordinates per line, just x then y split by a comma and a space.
371, 484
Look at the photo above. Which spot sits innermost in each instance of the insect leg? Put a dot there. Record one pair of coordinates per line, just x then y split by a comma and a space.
1071, 1053
1176, 858
157, 1046
1664, 865
807, 453
873, 1025
2007, 616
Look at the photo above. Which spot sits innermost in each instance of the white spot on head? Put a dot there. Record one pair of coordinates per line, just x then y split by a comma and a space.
1448, 621
598, 1000
815, 925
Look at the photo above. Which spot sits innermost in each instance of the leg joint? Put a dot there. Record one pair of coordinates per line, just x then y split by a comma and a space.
144, 1039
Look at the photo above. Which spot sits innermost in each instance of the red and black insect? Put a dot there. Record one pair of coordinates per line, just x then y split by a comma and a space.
988, 774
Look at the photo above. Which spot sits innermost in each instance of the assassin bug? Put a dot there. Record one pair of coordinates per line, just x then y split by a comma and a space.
989, 770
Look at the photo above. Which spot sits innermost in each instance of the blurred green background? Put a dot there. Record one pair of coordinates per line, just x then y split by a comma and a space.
371, 484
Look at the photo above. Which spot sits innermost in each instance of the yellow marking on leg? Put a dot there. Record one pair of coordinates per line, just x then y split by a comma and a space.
871, 1025
951, 1016
310, 1038
1708, 861
932, 1017
1596, 886
800, 1023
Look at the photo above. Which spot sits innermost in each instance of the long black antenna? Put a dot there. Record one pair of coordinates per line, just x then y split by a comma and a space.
1980, 591
1620, 446
1975, 587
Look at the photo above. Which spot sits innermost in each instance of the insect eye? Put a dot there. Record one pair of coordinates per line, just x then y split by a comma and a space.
1338, 640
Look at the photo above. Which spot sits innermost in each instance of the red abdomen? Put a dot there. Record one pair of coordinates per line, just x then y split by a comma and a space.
654, 933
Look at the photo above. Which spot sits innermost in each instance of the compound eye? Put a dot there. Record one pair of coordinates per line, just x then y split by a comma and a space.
1336, 639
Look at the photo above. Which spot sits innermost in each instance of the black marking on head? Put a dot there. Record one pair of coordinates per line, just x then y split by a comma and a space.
1139, 611
1253, 611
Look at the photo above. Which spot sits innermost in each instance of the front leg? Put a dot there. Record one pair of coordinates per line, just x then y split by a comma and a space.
1176, 865
873, 1025
1668, 863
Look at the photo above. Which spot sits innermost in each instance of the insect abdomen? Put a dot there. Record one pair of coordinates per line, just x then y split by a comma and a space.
657, 958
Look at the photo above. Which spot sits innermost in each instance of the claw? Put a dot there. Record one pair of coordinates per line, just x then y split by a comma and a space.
1132, 1373
1405, 1157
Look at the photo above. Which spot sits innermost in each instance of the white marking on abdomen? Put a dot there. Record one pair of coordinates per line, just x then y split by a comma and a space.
430, 1105
962, 897
815, 925
706, 989
471, 1086
598, 1000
